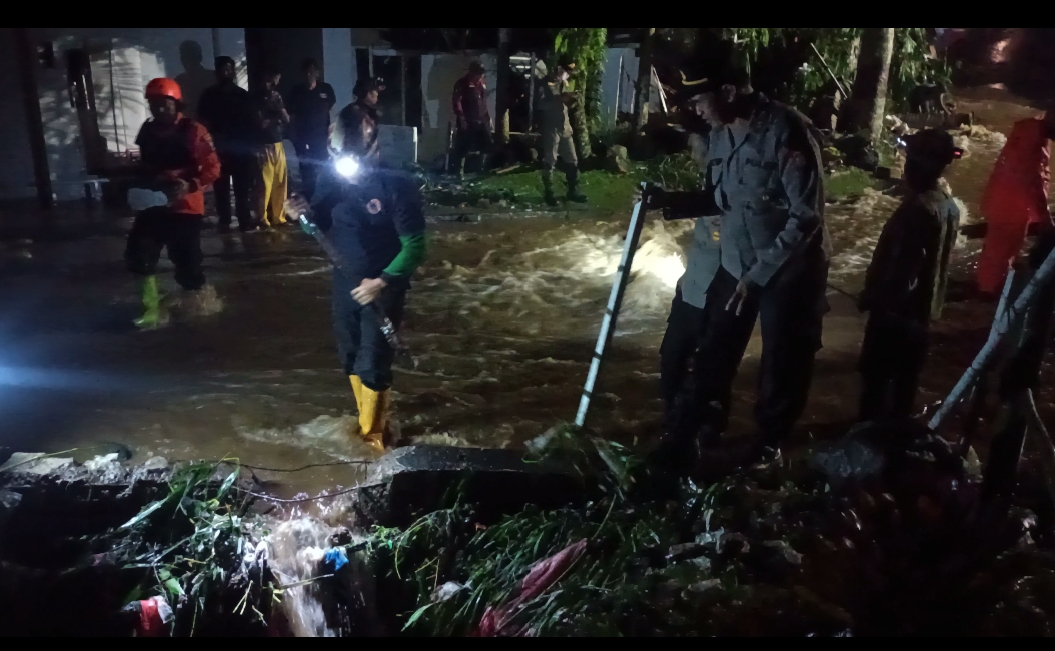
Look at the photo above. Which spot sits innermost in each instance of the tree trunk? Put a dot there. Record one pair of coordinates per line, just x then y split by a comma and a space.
644, 79
502, 87
868, 97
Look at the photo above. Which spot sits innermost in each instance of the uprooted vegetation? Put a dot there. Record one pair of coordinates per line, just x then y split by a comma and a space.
881, 533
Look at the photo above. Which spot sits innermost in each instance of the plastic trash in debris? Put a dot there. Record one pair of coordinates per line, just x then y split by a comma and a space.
154, 615
446, 591
335, 558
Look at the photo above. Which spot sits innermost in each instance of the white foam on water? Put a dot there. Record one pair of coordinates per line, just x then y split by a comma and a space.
333, 435
295, 549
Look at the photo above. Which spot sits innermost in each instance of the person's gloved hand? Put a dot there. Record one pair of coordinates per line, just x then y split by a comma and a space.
462, 124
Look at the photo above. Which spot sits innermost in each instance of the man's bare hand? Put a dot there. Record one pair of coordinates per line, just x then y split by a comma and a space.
175, 189
297, 205
368, 290
743, 290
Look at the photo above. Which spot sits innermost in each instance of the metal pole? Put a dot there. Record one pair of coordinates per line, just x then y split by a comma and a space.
615, 301
1001, 325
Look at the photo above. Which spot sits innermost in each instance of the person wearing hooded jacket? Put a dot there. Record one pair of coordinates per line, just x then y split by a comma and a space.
178, 158
375, 219
1015, 198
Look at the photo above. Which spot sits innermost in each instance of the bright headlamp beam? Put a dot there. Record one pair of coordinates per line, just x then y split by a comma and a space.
346, 166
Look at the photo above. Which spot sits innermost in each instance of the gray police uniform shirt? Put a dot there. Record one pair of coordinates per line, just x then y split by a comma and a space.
768, 183
704, 254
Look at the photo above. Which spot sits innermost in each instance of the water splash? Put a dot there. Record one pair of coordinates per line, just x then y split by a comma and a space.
297, 547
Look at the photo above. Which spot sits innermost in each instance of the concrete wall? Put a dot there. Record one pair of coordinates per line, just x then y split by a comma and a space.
339, 64
16, 164
123, 60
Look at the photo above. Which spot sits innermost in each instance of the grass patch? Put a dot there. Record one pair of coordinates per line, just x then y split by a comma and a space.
610, 193
607, 192
848, 182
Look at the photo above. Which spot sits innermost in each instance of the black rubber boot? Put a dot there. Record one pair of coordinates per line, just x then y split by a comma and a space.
547, 188
574, 194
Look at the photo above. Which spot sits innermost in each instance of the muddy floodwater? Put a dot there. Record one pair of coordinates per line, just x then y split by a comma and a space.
501, 320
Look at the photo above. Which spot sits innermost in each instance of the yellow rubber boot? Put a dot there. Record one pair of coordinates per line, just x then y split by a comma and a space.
373, 417
357, 391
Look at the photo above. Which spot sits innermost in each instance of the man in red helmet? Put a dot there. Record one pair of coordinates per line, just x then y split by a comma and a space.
178, 160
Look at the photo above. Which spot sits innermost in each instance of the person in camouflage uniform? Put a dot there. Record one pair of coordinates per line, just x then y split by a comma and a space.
556, 131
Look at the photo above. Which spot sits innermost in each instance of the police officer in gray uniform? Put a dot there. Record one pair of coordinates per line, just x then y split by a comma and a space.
685, 416
763, 180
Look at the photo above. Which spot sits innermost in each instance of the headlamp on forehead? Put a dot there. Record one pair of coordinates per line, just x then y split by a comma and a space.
347, 166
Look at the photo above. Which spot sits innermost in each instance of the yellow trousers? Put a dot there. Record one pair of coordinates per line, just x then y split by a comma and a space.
270, 199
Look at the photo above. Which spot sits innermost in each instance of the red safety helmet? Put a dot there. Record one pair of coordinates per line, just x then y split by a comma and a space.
162, 87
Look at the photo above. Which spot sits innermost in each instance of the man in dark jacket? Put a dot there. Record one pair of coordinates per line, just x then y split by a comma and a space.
375, 218
469, 101
906, 279
309, 110
227, 112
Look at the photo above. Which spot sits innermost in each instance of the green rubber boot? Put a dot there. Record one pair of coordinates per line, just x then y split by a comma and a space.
152, 316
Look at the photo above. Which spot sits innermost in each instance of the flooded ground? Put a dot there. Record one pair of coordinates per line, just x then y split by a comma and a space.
501, 321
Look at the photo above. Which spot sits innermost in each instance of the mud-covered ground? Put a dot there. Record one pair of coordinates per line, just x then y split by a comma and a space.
502, 320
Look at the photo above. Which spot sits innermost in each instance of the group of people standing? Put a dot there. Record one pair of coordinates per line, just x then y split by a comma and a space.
373, 216
761, 251
475, 127
249, 129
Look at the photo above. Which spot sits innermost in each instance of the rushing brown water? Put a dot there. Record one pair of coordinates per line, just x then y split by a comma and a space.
501, 322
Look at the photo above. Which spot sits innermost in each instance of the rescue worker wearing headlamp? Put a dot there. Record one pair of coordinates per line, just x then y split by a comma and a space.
374, 218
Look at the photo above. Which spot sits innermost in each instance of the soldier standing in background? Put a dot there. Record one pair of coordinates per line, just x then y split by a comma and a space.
555, 127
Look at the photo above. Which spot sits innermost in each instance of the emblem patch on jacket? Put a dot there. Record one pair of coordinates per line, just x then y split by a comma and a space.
373, 206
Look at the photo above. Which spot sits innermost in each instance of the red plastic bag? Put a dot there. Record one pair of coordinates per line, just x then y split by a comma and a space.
545, 573
154, 614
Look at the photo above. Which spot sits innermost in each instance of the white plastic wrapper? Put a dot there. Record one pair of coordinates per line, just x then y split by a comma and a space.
141, 199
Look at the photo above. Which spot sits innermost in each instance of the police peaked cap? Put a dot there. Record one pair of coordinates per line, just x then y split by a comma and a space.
697, 80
